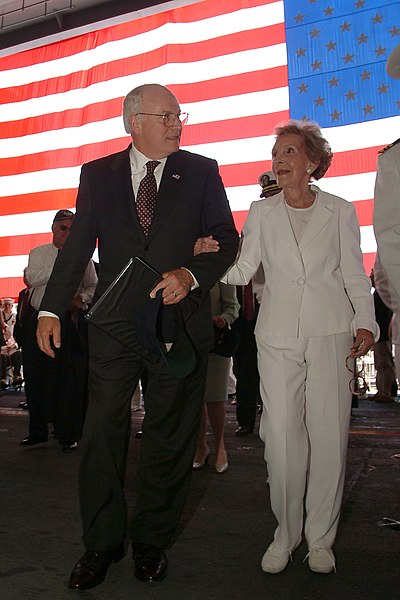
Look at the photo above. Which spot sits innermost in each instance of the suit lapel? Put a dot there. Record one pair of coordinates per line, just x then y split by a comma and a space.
121, 187
320, 215
168, 193
278, 219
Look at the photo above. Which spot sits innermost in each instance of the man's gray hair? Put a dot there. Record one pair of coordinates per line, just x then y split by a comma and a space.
133, 103
131, 106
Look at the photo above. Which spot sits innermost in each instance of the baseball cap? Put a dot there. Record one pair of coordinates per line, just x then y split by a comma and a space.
63, 215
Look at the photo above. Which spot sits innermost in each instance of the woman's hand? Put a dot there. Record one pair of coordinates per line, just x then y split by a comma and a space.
205, 244
363, 342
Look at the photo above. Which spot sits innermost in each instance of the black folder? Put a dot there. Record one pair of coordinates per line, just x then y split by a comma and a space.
126, 312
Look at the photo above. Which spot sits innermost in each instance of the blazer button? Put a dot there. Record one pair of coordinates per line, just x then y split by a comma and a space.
300, 281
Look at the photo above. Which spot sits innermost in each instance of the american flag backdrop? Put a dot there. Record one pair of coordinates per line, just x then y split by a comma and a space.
239, 67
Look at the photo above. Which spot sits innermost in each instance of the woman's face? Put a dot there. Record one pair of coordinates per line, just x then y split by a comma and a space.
290, 161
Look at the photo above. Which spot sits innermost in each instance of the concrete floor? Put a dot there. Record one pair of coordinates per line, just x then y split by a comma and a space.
225, 530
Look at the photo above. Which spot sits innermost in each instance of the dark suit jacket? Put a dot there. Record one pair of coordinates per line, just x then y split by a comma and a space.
191, 202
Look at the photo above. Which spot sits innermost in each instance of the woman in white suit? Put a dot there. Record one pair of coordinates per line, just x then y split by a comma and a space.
316, 310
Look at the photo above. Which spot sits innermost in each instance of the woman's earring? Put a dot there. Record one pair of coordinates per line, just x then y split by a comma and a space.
308, 169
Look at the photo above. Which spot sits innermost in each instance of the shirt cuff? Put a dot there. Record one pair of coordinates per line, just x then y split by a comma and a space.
46, 313
196, 283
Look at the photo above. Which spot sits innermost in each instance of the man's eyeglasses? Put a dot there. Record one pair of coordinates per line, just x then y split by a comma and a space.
357, 384
169, 119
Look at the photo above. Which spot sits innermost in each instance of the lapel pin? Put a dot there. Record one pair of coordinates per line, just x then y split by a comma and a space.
176, 176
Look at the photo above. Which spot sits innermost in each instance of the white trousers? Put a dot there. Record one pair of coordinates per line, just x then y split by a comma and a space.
304, 424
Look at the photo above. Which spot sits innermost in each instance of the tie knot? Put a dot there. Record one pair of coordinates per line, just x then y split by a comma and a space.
151, 165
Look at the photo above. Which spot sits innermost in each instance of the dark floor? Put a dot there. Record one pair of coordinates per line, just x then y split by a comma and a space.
226, 527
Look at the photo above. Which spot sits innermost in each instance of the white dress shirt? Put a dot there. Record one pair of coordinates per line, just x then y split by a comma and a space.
38, 271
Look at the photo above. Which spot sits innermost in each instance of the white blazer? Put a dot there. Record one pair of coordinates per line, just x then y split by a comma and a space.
318, 287
387, 213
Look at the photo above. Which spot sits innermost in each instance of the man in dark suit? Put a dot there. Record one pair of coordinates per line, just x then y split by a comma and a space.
190, 203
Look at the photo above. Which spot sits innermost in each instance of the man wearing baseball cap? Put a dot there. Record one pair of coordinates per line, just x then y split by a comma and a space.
49, 392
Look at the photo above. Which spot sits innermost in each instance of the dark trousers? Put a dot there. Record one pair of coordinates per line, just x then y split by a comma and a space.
247, 379
11, 360
40, 374
170, 428
56, 388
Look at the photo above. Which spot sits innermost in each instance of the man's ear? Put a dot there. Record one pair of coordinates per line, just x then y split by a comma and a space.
135, 124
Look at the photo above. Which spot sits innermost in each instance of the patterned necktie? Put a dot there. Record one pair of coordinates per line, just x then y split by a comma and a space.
146, 196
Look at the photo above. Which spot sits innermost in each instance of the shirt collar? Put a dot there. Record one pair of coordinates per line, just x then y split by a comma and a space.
138, 160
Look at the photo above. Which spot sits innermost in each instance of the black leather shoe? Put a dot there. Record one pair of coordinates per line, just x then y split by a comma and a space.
240, 431
28, 441
91, 569
151, 564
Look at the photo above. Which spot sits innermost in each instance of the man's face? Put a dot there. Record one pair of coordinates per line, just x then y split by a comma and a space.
60, 231
151, 137
7, 306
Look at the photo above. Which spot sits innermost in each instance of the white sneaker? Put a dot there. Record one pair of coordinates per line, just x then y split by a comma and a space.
321, 560
275, 559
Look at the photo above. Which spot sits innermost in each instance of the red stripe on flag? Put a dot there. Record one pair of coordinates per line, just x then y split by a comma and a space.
11, 287
37, 202
233, 85
177, 53
203, 133
68, 157
365, 211
83, 43
369, 259
22, 244
354, 161
75, 117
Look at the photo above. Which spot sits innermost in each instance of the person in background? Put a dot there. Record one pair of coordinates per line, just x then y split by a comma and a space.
9, 314
224, 310
383, 356
150, 201
245, 359
56, 390
24, 312
387, 199
3, 367
11, 359
316, 316
231, 384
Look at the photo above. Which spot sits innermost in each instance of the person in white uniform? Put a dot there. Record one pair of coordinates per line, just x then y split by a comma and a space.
316, 310
387, 210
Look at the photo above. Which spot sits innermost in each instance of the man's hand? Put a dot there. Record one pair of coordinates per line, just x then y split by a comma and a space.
205, 244
48, 327
363, 342
175, 284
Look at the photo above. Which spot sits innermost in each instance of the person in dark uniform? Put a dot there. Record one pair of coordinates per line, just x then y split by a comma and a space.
245, 360
386, 384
